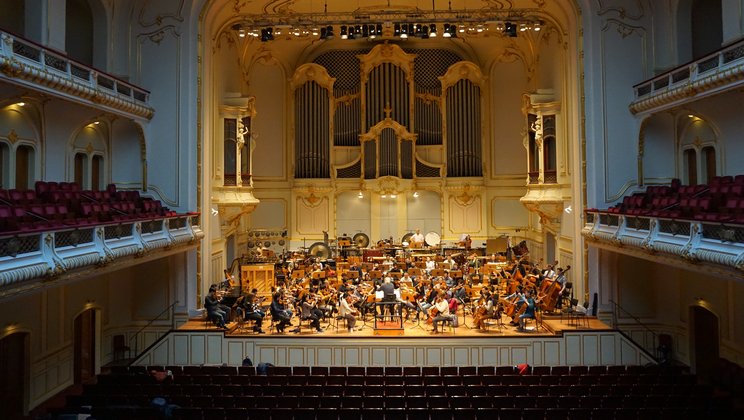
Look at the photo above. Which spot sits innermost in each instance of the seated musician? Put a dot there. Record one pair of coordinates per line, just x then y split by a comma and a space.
310, 311
465, 241
279, 312
251, 310
347, 311
529, 312
489, 309
460, 293
430, 265
448, 280
214, 309
417, 239
441, 307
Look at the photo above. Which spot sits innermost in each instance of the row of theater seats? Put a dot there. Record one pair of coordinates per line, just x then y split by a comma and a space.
53, 206
722, 200
315, 393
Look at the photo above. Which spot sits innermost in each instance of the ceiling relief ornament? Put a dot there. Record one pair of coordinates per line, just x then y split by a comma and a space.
279, 7
12, 136
501, 4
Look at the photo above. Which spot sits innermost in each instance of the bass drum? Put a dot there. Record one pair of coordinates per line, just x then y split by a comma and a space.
361, 240
432, 239
319, 250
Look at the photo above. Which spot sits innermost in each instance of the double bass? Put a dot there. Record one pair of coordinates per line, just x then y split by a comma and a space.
550, 292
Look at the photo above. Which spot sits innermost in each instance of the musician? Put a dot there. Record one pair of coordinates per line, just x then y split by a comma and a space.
214, 309
529, 312
252, 310
441, 311
430, 265
561, 279
311, 312
229, 280
279, 312
347, 311
388, 294
465, 241
417, 239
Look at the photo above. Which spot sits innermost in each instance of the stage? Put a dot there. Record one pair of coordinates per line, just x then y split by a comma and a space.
550, 325
556, 343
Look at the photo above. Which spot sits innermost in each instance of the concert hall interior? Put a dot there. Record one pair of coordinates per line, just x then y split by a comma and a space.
325, 183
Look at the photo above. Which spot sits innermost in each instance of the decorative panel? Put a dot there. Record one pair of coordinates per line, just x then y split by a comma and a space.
311, 218
465, 217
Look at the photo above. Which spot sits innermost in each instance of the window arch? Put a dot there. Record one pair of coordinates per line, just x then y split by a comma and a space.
79, 31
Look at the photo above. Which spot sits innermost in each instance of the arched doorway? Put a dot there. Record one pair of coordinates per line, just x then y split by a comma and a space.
84, 336
14, 363
704, 342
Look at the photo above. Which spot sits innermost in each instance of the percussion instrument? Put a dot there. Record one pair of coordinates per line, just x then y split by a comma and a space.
432, 239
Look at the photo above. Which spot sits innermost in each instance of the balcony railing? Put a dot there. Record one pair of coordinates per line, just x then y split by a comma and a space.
54, 71
44, 255
698, 76
692, 240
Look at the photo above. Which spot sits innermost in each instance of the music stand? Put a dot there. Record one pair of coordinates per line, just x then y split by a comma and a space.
319, 275
375, 274
437, 272
414, 271
418, 317
395, 274
298, 274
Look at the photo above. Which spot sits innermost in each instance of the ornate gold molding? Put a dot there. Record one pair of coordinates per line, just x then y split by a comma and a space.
386, 53
312, 72
460, 71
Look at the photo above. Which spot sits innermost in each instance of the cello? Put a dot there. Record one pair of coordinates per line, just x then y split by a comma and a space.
550, 293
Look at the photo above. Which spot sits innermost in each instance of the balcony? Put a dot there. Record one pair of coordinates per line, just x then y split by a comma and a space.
36, 67
717, 72
37, 259
694, 244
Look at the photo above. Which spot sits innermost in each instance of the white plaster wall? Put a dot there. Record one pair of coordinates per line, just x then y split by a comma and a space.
268, 85
508, 83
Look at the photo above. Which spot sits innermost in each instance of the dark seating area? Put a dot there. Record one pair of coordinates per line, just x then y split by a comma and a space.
59, 205
721, 200
432, 392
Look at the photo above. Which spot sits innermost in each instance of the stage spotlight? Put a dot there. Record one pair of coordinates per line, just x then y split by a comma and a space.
404, 31
344, 34
446, 32
267, 34
510, 29
432, 31
396, 30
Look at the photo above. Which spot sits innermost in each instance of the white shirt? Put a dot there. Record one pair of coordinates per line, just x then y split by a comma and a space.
346, 309
417, 237
443, 308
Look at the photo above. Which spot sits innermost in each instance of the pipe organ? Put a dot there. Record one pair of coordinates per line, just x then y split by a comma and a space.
378, 102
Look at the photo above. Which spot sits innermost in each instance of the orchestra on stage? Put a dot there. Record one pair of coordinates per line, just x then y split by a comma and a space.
413, 284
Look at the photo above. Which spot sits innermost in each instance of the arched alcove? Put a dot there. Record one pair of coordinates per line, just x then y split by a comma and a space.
704, 341
14, 363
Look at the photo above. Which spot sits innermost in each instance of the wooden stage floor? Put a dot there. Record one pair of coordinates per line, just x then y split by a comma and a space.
552, 325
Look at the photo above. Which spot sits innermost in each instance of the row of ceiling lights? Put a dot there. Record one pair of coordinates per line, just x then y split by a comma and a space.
400, 30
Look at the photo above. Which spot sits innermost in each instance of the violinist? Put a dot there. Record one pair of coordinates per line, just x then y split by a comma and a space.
251, 310
309, 311
279, 312
215, 310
